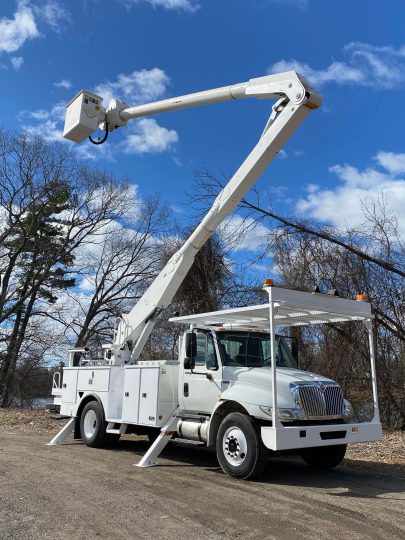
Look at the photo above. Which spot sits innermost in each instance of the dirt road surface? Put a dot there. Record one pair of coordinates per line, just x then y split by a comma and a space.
75, 492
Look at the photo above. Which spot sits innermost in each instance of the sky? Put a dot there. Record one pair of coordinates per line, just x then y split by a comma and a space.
345, 155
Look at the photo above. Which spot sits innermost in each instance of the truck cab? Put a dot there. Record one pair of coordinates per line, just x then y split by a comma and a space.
226, 368
236, 365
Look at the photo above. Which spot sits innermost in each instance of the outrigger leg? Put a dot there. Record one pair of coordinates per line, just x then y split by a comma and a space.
63, 433
166, 433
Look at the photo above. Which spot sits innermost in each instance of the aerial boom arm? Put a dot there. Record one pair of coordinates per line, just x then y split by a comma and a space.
295, 101
288, 84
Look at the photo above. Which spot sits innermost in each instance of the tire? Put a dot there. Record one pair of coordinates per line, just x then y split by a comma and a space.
324, 457
93, 426
240, 451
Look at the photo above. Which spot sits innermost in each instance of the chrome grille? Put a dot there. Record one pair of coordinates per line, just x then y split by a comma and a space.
319, 399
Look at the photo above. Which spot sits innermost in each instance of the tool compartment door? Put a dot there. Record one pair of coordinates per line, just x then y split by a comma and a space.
148, 396
130, 403
69, 385
93, 379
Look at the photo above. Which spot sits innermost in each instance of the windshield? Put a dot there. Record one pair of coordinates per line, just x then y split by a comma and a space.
252, 349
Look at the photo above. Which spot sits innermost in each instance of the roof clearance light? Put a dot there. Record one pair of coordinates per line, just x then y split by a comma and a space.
360, 297
268, 282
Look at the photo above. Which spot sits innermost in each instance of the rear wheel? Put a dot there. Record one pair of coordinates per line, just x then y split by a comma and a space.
93, 426
240, 450
324, 457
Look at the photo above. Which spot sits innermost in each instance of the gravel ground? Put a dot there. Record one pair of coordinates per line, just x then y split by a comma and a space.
71, 492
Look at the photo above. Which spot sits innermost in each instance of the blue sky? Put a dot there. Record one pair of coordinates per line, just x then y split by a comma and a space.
348, 153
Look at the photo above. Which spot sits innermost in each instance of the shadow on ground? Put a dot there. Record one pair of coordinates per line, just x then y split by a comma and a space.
354, 478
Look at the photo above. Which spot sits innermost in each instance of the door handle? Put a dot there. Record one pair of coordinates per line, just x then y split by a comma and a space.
186, 389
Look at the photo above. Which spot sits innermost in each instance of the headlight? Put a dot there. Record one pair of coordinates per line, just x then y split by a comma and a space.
348, 410
285, 414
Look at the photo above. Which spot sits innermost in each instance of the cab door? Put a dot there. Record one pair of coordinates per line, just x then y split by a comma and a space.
200, 393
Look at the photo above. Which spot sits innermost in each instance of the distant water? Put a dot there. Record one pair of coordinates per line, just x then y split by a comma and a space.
42, 402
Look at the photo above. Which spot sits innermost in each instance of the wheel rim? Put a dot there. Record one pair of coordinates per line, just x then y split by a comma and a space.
90, 424
234, 446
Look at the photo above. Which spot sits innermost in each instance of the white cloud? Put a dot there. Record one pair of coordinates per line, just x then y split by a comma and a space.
177, 161
16, 31
146, 135
177, 209
135, 88
393, 163
54, 14
366, 65
342, 205
149, 137
177, 5
47, 123
17, 62
244, 234
141, 137
64, 83
301, 4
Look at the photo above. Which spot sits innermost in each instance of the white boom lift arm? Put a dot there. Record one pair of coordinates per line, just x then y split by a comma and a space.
295, 99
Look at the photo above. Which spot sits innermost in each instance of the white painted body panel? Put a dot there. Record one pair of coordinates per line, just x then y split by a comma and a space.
83, 114
69, 386
144, 394
290, 438
130, 405
254, 385
96, 380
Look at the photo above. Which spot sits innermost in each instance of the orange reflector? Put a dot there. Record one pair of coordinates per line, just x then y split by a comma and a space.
268, 282
361, 297
311, 105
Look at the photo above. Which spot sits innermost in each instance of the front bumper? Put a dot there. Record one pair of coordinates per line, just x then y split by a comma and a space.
289, 438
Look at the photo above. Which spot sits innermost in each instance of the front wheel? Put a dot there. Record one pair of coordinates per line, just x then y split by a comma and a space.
240, 451
324, 457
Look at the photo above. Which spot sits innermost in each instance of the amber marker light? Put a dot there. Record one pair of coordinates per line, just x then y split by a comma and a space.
268, 282
360, 297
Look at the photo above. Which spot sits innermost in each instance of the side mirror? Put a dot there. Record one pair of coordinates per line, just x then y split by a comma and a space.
191, 350
189, 363
191, 345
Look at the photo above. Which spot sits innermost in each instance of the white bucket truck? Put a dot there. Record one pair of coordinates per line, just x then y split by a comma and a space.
235, 386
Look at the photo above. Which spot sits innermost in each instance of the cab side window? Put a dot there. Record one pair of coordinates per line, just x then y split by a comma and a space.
206, 355
201, 350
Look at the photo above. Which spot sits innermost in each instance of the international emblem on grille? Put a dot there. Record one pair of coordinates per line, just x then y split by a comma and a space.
319, 400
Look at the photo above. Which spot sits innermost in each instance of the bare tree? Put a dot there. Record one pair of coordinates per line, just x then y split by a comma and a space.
50, 205
369, 258
113, 271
